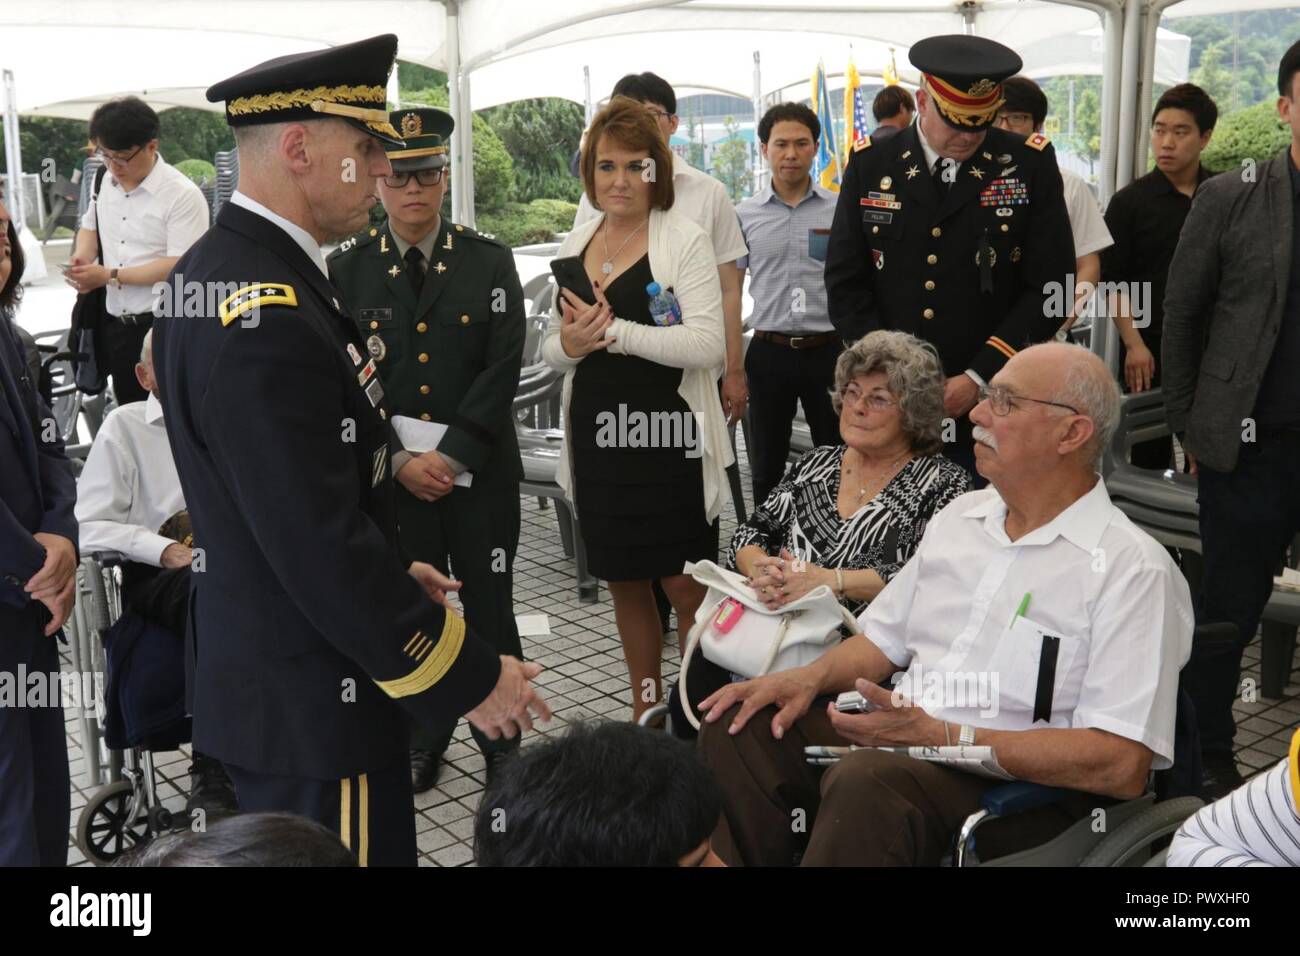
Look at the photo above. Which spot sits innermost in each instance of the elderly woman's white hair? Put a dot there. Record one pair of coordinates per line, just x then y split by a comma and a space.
915, 377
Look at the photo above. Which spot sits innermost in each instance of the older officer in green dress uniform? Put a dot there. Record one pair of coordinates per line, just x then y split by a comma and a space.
442, 314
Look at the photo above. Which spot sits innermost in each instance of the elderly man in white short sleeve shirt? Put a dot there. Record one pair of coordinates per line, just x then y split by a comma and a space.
1035, 619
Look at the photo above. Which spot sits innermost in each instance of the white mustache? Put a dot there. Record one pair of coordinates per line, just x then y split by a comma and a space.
984, 437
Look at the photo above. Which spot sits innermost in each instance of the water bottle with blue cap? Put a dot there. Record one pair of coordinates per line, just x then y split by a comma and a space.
663, 305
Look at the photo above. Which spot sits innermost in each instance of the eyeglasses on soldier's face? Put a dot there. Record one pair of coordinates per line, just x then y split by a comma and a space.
425, 177
1002, 400
852, 395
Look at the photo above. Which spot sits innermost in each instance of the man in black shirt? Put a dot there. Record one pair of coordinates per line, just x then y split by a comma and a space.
1145, 219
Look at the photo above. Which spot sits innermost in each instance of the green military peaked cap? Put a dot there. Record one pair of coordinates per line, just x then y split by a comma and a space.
427, 135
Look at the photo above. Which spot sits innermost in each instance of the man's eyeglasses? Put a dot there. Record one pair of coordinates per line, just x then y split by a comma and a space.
425, 177
1000, 399
852, 395
116, 158
659, 114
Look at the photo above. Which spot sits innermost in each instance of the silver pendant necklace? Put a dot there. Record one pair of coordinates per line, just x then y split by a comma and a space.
862, 489
607, 266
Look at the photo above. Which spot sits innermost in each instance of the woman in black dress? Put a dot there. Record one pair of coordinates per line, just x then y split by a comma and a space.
641, 433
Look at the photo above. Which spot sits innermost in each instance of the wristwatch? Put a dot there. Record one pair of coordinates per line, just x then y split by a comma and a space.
966, 737
112, 277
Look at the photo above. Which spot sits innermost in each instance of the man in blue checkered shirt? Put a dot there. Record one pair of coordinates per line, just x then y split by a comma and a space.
792, 356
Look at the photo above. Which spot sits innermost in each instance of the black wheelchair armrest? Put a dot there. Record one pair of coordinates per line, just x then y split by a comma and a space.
1020, 796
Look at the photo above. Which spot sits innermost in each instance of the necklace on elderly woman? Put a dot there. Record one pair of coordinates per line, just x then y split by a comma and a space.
607, 266
862, 489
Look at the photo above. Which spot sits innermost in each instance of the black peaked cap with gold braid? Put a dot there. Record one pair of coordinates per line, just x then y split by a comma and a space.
963, 76
426, 132
348, 82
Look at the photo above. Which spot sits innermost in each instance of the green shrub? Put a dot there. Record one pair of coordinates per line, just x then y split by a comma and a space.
521, 224
198, 170
1252, 133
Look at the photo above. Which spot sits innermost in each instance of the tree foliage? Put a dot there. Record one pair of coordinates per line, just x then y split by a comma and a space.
1255, 133
730, 161
540, 135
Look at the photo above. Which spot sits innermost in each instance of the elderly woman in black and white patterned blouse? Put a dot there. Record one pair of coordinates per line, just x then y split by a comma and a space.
850, 516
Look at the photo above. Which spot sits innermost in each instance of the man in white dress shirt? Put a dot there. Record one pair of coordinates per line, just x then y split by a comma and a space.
147, 215
127, 492
1034, 619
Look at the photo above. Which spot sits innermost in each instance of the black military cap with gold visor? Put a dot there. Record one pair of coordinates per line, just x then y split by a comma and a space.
348, 82
426, 133
963, 76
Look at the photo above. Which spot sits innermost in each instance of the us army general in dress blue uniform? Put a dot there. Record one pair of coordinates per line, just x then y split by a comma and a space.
442, 313
312, 641
961, 259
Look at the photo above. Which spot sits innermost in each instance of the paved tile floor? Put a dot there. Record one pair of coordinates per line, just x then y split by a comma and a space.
585, 677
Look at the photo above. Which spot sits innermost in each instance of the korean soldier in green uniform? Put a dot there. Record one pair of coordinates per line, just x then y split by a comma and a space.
442, 314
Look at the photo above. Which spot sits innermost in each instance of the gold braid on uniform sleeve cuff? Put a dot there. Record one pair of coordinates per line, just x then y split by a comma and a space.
434, 664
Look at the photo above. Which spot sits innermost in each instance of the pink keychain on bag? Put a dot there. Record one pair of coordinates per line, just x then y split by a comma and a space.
729, 612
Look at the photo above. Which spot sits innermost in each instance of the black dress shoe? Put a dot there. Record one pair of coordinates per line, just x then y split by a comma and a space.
210, 788
1219, 777
426, 767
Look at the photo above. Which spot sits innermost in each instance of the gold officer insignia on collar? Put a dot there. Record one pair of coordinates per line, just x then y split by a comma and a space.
912, 171
440, 268
906, 153
395, 272
977, 173
255, 296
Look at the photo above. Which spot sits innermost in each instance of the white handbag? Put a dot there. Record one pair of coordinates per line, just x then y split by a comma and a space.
759, 641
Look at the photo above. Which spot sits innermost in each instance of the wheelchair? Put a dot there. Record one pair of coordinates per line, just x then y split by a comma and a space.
126, 811
1135, 832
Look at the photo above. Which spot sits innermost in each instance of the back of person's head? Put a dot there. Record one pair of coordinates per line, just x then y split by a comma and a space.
647, 88
11, 293
1192, 99
890, 101
246, 839
1023, 95
628, 125
1287, 70
600, 794
791, 113
124, 123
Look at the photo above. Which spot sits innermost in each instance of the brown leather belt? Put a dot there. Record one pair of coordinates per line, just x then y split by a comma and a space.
798, 341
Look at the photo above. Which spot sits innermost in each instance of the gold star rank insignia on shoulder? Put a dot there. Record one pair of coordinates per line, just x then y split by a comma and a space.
255, 296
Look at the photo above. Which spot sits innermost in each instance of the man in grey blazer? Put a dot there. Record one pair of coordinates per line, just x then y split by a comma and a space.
1231, 355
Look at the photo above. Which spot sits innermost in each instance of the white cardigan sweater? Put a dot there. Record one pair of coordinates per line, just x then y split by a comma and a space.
681, 258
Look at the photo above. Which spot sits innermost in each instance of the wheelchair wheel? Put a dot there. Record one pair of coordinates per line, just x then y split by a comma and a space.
104, 831
1131, 842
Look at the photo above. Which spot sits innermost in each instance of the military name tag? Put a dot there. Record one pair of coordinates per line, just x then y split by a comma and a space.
375, 392
375, 315
879, 203
877, 216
